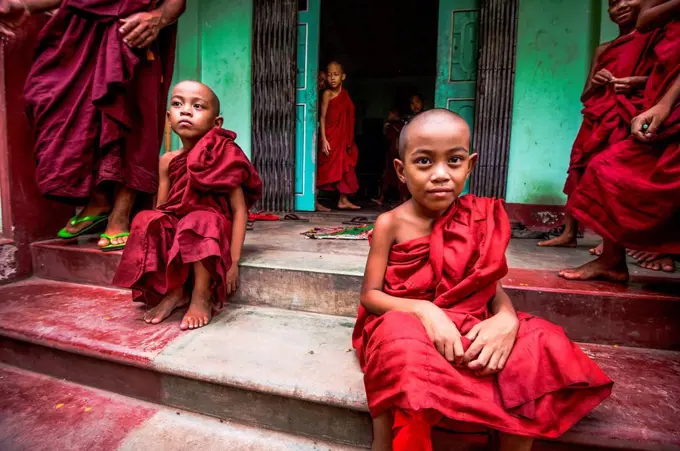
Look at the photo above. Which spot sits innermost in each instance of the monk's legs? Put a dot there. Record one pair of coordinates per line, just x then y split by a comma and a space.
382, 433
568, 236
119, 219
611, 265
173, 300
98, 205
200, 309
412, 430
509, 442
319, 206
345, 204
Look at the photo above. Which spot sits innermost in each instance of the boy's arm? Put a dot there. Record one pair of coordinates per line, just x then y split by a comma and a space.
657, 13
325, 100
656, 115
590, 87
439, 327
163, 179
239, 211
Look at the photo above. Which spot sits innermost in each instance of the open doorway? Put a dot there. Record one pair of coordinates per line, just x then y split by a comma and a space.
389, 51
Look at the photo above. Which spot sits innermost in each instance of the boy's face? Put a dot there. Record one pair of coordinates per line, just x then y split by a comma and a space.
416, 104
335, 75
437, 161
322, 80
194, 110
623, 12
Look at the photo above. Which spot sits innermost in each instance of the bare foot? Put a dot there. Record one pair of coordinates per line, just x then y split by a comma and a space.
564, 240
199, 313
597, 250
173, 300
644, 256
598, 269
661, 263
347, 205
320, 207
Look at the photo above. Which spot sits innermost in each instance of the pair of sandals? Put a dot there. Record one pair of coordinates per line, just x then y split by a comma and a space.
97, 222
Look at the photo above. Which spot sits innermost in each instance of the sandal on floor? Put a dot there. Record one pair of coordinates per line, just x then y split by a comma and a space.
358, 220
113, 247
96, 222
250, 225
294, 217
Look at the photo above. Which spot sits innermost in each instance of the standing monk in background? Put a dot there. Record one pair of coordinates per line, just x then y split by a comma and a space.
612, 96
96, 96
630, 193
338, 154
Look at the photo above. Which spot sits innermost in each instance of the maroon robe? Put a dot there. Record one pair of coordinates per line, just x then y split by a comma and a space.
548, 383
97, 106
606, 114
335, 172
193, 225
630, 193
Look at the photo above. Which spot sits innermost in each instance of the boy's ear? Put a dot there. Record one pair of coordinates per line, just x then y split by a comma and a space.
219, 120
472, 162
344, 75
399, 168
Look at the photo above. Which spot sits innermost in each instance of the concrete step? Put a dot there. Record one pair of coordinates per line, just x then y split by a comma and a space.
39, 412
284, 370
282, 269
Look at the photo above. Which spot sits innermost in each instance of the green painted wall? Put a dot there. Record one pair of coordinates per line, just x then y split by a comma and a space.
214, 46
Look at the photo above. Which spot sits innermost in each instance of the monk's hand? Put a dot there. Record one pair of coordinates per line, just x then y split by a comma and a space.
492, 341
141, 29
645, 126
326, 147
441, 330
232, 279
13, 13
602, 77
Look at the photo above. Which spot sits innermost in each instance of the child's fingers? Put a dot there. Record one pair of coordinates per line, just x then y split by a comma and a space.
492, 366
448, 351
502, 360
458, 351
481, 361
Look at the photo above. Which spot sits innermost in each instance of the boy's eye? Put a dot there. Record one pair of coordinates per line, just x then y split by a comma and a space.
198, 107
423, 160
176, 103
455, 160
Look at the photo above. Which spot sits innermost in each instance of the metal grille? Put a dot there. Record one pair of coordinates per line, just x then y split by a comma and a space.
493, 109
274, 89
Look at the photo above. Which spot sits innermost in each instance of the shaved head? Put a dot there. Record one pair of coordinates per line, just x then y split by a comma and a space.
201, 89
335, 63
432, 121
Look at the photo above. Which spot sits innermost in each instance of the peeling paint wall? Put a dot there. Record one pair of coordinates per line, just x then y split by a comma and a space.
8, 262
214, 46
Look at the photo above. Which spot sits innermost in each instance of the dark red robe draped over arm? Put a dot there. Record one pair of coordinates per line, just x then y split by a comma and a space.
548, 383
97, 106
630, 193
338, 167
193, 225
606, 114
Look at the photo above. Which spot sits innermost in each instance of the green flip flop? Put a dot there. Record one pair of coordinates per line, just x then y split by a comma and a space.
96, 222
113, 247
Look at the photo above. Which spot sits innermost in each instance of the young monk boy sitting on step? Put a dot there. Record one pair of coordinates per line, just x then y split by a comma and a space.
192, 241
437, 336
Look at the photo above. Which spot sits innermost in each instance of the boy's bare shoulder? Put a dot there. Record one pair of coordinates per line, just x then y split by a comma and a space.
167, 157
390, 220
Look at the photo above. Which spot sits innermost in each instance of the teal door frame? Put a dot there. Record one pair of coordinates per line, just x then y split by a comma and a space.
306, 105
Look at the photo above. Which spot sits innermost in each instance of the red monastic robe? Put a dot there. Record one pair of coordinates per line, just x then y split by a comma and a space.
548, 383
630, 193
606, 114
97, 106
335, 172
193, 225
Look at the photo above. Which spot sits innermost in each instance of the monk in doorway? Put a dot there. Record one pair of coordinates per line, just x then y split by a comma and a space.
415, 106
630, 193
192, 241
321, 81
435, 327
96, 96
611, 98
338, 154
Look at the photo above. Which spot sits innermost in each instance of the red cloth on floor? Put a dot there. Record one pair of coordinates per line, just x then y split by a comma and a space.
548, 383
193, 225
336, 172
630, 193
97, 106
606, 114
412, 430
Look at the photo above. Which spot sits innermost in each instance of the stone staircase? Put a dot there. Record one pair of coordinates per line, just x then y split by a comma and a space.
276, 370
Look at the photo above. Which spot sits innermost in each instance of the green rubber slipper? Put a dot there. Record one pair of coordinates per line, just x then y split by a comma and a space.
96, 222
113, 247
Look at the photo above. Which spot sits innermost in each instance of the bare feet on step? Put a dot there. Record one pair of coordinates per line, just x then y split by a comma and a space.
598, 269
199, 313
345, 204
663, 263
597, 250
173, 300
564, 240
321, 208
